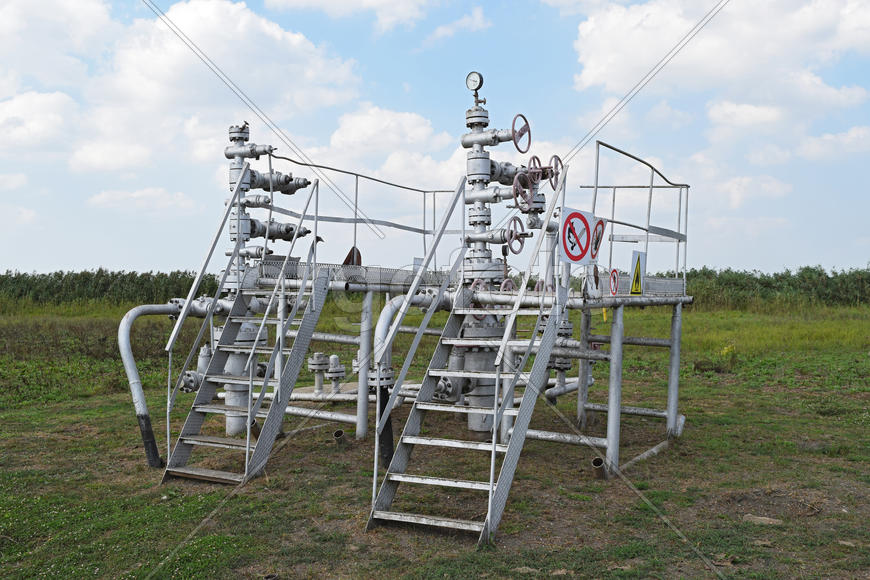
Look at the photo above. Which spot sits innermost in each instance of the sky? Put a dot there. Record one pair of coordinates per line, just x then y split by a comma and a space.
113, 130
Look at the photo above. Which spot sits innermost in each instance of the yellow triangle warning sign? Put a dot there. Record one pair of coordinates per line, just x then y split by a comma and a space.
637, 275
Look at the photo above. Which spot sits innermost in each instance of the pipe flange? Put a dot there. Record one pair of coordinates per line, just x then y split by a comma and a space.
559, 364
387, 378
191, 381
319, 362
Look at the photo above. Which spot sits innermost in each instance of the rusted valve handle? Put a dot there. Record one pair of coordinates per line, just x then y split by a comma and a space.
515, 233
518, 134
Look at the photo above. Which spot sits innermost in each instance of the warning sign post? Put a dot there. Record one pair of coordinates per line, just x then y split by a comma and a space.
580, 237
638, 272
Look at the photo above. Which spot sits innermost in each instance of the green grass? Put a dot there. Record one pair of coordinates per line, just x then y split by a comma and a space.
778, 428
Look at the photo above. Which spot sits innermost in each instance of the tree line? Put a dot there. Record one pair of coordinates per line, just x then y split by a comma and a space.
733, 289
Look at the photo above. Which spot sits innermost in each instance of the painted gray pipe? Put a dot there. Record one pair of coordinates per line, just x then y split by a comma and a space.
150, 444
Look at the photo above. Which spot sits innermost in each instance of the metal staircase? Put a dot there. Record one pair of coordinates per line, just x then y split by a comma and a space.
497, 488
305, 313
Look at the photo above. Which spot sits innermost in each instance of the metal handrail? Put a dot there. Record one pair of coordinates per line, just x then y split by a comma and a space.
206, 321
416, 342
382, 348
271, 365
281, 274
198, 280
560, 186
639, 160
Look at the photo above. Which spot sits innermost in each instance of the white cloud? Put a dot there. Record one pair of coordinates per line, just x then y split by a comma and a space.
57, 37
470, 22
371, 130
663, 114
829, 145
12, 181
744, 48
739, 189
389, 13
768, 155
32, 119
156, 96
149, 200
16, 217
811, 88
742, 114
108, 155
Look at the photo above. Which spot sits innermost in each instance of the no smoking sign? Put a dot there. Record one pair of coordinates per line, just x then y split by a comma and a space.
580, 236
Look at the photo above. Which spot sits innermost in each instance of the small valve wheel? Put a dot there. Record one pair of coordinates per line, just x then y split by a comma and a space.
555, 171
518, 134
515, 231
535, 171
507, 285
522, 197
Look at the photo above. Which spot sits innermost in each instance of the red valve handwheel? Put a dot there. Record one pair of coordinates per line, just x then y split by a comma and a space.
556, 167
514, 234
518, 134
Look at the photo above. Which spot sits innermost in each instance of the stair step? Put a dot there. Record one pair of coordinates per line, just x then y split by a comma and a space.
209, 441
429, 520
259, 350
450, 408
234, 380
206, 474
268, 291
224, 409
439, 481
497, 311
452, 443
259, 319
470, 374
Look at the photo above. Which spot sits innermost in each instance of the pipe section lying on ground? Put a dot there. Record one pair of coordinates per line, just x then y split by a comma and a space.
148, 441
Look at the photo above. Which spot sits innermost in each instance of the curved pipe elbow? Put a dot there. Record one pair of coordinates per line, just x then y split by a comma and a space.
391, 308
135, 381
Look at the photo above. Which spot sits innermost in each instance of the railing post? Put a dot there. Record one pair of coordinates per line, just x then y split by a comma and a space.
614, 398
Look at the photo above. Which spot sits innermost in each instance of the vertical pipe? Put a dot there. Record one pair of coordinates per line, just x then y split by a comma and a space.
595, 191
583, 375
674, 369
679, 223
355, 206
612, 226
159, 462
364, 356
377, 434
652, 176
424, 224
282, 317
685, 243
316, 221
435, 255
614, 399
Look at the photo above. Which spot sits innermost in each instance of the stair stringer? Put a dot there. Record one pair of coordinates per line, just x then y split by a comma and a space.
402, 454
537, 379
290, 374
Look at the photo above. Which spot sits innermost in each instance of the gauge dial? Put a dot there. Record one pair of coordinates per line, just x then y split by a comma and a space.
474, 81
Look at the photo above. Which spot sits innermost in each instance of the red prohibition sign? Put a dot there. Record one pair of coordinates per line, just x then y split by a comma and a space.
597, 236
614, 282
577, 249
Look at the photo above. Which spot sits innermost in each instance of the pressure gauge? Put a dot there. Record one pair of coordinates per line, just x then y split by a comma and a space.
474, 81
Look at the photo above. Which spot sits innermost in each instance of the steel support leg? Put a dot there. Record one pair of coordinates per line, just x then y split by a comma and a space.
614, 400
674, 370
583, 375
364, 356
